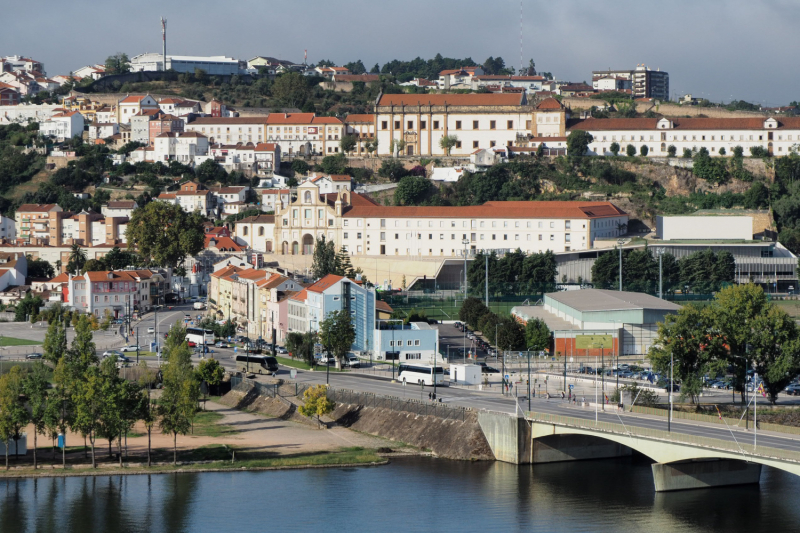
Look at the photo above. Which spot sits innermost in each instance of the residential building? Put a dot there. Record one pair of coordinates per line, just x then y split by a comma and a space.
416, 342
119, 208
27, 113
21, 64
133, 105
330, 72
8, 228
256, 232
612, 83
345, 82
273, 199
230, 130
106, 114
163, 123
186, 147
575, 89
98, 130
274, 292
305, 133
528, 83
365, 228
9, 95
191, 197
644, 82
268, 158
62, 126
476, 120
458, 78
332, 183
140, 124
90, 71
32, 221
116, 292
362, 127
266, 61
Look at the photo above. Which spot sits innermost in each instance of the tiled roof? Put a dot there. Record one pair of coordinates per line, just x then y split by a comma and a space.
756, 123
290, 118
257, 219
301, 296
134, 98
549, 103
225, 271
520, 210
221, 242
325, 283
35, 208
492, 77
451, 99
229, 120
272, 282
380, 305
326, 120
253, 274
360, 118
266, 147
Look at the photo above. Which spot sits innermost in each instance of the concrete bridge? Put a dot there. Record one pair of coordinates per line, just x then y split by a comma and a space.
682, 460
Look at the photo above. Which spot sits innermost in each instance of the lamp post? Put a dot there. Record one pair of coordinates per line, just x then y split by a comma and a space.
465, 242
529, 378
671, 386
620, 242
660, 254
744, 391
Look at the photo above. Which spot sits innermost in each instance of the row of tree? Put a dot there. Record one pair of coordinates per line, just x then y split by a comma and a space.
741, 329
703, 271
504, 331
90, 398
513, 272
337, 333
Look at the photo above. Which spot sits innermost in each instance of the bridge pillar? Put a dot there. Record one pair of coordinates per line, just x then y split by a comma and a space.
702, 474
558, 448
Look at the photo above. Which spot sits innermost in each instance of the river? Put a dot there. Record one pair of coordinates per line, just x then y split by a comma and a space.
410, 494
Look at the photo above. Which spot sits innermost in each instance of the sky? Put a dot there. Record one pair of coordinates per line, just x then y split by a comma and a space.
721, 50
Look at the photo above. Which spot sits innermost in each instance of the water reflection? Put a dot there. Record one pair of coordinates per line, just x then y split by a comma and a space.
411, 494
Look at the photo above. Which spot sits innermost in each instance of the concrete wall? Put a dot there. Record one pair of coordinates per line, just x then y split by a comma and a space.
704, 227
704, 474
558, 448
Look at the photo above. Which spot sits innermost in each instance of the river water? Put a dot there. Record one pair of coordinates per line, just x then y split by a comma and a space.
410, 494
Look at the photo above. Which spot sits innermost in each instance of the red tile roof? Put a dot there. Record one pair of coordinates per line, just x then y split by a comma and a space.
325, 283
290, 118
756, 123
549, 103
266, 147
326, 120
230, 120
360, 118
222, 242
520, 210
474, 99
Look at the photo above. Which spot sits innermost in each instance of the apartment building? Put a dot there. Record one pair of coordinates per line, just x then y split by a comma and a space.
362, 127
191, 197
62, 126
134, 104
116, 292
33, 221
230, 130
257, 232
305, 133
643, 81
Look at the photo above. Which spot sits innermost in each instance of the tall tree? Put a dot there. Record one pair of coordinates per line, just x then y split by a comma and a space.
578, 142
337, 333
324, 260
181, 391
165, 234
55, 341
774, 349
77, 257
35, 385
118, 63
291, 89
537, 335
13, 415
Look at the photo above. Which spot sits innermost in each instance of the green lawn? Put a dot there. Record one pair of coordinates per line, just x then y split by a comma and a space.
302, 365
792, 307
207, 424
12, 341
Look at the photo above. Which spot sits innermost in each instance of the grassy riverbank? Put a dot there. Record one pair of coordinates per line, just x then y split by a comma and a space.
207, 459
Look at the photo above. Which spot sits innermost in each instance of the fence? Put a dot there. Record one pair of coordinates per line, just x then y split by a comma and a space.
699, 417
368, 399
658, 434
263, 389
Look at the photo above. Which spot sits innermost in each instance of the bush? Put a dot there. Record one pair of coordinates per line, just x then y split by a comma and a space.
644, 150
614, 148
630, 150
759, 151
687, 153
671, 150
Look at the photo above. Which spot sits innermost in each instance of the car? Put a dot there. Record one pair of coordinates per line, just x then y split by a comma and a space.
792, 390
130, 348
222, 344
191, 344
326, 360
352, 361
112, 353
281, 350
486, 369
187, 316
203, 349
34, 356
675, 387
151, 330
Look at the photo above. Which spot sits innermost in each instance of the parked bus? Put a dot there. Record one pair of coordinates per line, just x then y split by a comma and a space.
257, 363
420, 374
200, 336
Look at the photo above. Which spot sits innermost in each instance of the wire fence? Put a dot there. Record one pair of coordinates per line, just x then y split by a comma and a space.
658, 434
417, 407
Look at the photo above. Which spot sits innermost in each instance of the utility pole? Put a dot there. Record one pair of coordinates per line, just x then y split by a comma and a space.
620, 242
465, 242
137, 345
486, 278
660, 253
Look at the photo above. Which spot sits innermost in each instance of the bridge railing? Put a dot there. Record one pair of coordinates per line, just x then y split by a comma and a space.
407, 405
746, 449
713, 419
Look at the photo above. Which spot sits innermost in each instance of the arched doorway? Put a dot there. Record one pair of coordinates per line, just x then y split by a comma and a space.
769, 149
308, 245
295, 248
268, 247
285, 248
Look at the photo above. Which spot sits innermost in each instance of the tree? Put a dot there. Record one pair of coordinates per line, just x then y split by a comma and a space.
291, 89
471, 311
392, 169
118, 63
774, 349
334, 164
347, 143
77, 257
687, 153
722, 151
210, 371
630, 150
301, 345
210, 171
447, 143
578, 142
614, 148
178, 403
40, 268
13, 415
324, 259
35, 386
299, 166
165, 234
87, 395
412, 190
342, 266
510, 334
59, 412
643, 150
27, 307
337, 333
316, 402
537, 335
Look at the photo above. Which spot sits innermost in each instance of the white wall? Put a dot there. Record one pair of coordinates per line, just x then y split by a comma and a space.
705, 227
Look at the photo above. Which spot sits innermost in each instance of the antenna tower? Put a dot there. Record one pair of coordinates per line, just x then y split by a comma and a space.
164, 42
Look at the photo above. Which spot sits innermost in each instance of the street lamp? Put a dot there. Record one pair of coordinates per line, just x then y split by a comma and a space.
465, 242
744, 391
620, 242
660, 254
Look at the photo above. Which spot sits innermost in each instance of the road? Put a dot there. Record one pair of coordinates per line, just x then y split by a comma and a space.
378, 381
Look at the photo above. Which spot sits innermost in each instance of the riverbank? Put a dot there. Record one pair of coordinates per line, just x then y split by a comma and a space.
346, 457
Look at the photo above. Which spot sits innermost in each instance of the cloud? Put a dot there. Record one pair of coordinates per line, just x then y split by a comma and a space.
714, 48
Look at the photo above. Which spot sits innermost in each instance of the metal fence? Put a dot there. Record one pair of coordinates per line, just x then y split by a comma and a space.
368, 399
657, 434
699, 417
238, 382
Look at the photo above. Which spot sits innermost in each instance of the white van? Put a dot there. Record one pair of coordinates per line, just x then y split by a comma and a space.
198, 306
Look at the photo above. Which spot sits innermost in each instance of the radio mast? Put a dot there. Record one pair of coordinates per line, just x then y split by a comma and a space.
164, 42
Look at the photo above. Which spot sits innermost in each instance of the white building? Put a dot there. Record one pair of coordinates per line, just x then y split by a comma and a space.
183, 146
256, 232
717, 227
191, 197
230, 130
529, 83
99, 130
458, 78
119, 208
777, 135
273, 199
332, 183
134, 104
26, 113
268, 157
212, 65
62, 126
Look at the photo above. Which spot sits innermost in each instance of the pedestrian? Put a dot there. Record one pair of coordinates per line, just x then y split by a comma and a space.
430, 397
562, 395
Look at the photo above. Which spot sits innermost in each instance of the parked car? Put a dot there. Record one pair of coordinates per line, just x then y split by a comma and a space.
792, 390
151, 330
281, 350
486, 369
130, 348
112, 353
222, 344
191, 344
34, 356
352, 361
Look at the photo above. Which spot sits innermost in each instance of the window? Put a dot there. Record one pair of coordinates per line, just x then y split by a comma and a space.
492, 124
458, 124
358, 235
410, 125
568, 224
423, 124
436, 124
474, 144
261, 231
346, 235
397, 124
492, 144
416, 342
552, 237
567, 237
510, 125
244, 230
552, 224
458, 144
474, 124
408, 342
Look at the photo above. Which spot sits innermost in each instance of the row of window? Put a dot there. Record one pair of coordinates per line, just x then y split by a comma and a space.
423, 124
409, 342
665, 137
567, 236
465, 224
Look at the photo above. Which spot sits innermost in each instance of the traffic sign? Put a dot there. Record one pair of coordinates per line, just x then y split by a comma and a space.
571, 386
293, 373
507, 376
